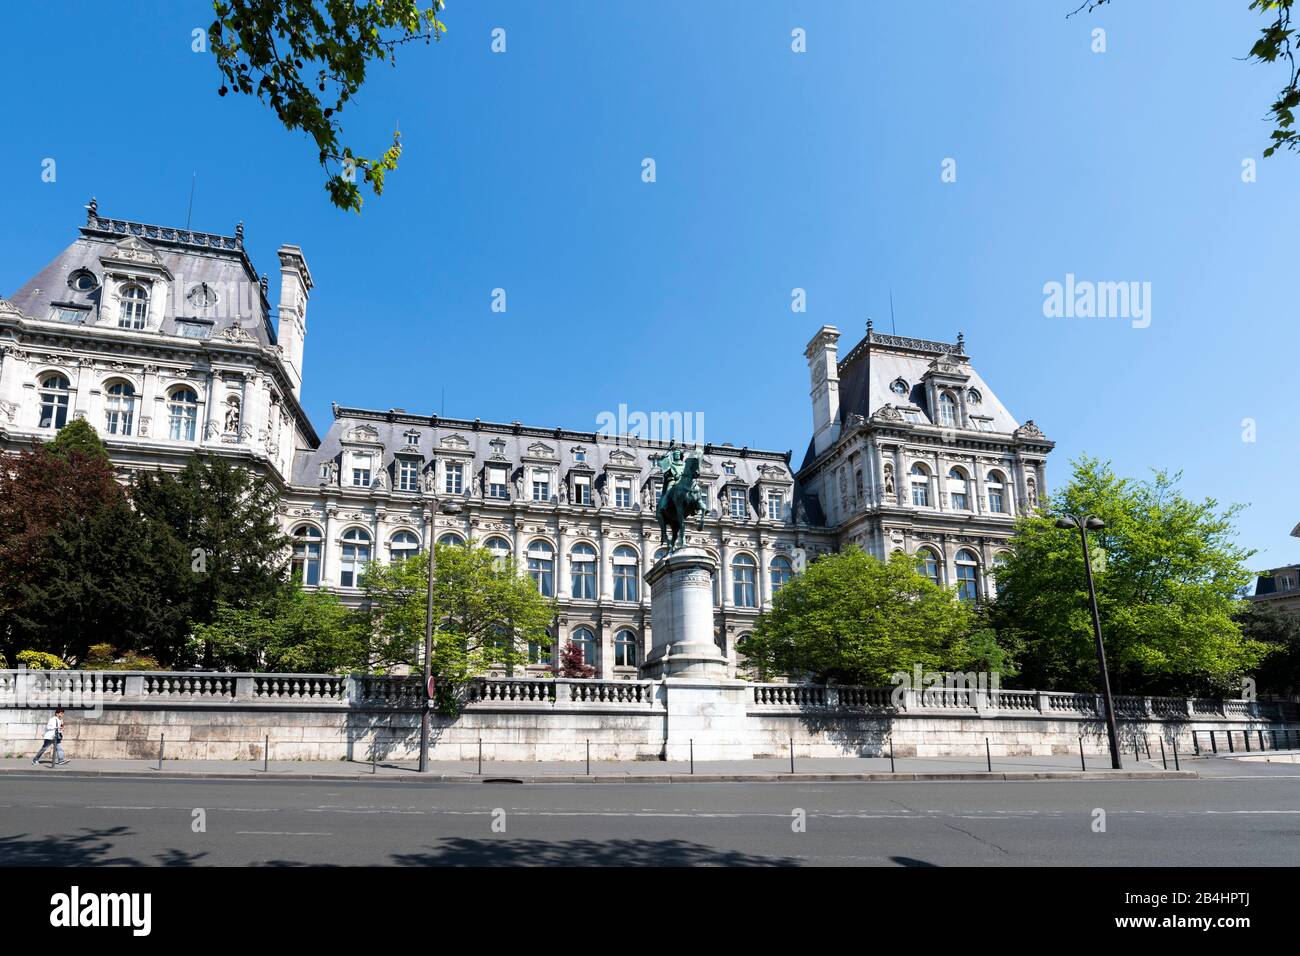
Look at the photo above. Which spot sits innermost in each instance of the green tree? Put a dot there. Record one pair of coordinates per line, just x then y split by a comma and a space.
307, 59
76, 562
852, 618
292, 631
485, 612
229, 545
1167, 573
78, 437
1278, 41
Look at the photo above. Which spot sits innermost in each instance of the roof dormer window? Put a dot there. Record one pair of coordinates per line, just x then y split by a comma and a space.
133, 308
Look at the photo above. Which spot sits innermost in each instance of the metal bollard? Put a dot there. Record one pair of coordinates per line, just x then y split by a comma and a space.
1213, 744
266, 754
891, 753
792, 755
1163, 762
588, 756
1261, 740
1083, 764
692, 756
1176, 767
480, 756
1196, 744
162, 745
988, 755
374, 754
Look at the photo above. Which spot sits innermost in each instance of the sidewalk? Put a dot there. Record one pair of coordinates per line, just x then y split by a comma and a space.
806, 769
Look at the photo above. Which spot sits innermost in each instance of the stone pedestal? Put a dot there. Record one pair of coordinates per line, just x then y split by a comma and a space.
681, 618
706, 711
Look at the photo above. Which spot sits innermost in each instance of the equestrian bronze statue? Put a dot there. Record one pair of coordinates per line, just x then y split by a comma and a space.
682, 496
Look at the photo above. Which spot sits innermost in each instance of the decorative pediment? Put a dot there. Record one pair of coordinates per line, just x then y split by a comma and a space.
498, 446
619, 458
454, 443
888, 413
540, 449
363, 433
135, 249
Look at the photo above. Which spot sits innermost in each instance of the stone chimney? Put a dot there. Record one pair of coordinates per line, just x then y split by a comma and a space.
295, 288
823, 358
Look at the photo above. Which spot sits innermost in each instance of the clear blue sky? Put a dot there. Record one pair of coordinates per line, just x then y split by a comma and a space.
775, 170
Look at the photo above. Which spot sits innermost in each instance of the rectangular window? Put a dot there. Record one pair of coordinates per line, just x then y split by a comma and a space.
921, 494
361, 471
737, 498
454, 478
541, 486
497, 483
581, 490
408, 475
623, 493
775, 500
995, 500
959, 500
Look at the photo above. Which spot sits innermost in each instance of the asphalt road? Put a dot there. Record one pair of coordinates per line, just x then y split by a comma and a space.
82, 821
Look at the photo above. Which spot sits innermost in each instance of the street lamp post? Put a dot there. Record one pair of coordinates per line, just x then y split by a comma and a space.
1085, 524
447, 508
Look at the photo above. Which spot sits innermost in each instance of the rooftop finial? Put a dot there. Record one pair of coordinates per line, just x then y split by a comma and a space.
92, 210
961, 342
239, 231
263, 283
868, 326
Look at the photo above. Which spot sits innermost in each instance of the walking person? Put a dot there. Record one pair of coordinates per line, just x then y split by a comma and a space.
53, 735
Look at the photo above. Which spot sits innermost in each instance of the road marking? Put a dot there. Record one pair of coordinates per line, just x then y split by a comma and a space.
281, 833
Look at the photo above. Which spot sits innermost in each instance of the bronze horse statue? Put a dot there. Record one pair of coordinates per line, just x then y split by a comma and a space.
679, 501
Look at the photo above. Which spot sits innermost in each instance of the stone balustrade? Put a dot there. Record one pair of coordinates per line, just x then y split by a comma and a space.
817, 697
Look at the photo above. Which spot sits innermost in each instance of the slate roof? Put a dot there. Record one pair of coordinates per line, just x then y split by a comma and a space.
191, 257
520, 441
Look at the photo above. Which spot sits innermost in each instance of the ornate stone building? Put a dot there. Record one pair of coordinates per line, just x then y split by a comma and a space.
163, 339
913, 452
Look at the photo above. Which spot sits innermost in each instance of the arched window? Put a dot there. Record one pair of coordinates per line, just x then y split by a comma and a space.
625, 650
967, 575
582, 570
929, 564
133, 308
305, 565
781, 571
541, 567
920, 486
119, 412
500, 549
55, 396
403, 545
451, 539
182, 414
958, 490
356, 555
742, 577
947, 410
996, 487
625, 573
586, 642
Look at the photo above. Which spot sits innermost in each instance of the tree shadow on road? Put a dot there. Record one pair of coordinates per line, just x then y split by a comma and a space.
459, 851
89, 847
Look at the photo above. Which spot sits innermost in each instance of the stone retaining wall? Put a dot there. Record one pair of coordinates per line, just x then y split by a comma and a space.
328, 717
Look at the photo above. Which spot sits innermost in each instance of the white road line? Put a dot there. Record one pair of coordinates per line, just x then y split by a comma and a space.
280, 833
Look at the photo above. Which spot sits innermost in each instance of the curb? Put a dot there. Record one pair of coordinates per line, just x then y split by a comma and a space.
1010, 776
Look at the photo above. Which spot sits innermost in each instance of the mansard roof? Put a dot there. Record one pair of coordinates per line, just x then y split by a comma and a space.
518, 444
870, 369
186, 258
